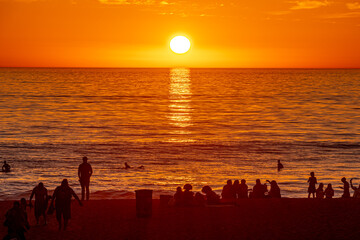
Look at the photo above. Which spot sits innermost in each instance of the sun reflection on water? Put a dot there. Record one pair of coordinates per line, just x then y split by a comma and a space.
180, 109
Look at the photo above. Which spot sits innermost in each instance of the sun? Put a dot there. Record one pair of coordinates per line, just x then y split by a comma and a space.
180, 44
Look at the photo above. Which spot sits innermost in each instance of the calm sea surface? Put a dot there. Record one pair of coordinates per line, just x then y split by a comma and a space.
198, 126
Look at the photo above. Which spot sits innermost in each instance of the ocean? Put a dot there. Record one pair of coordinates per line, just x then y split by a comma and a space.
198, 126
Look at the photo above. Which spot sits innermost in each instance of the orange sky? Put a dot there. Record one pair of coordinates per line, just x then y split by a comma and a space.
136, 33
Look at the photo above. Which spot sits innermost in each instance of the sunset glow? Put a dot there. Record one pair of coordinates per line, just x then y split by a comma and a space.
104, 33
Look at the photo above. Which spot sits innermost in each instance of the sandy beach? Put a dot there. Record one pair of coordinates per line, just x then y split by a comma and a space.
249, 219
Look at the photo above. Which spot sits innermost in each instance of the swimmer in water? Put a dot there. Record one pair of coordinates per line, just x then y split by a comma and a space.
280, 166
127, 166
5, 167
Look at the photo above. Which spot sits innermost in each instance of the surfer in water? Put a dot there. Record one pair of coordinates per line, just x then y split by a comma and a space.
5, 167
127, 166
280, 166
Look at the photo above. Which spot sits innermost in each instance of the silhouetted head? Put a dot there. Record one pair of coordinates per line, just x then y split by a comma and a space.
343, 179
236, 182
278, 161
273, 183
64, 183
329, 185
16, 204
229, 182
206, 189
321, 185
178, 189
312, 174
23, 202
85, 159
4, 162
187, 187
41, 185
243, 181
258, 181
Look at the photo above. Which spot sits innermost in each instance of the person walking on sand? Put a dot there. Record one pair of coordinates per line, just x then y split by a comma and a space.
329, 191
62, 196
356, 190
84, 172
346, 188
312, 182
280, 166
41, 201
16, 223
5, 167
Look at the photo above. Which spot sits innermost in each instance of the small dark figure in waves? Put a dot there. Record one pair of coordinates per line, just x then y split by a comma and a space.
259, 190
211, 196
127, 166
188, 195
279, 165
228, 192
6, 167
178, 197
84, 172
346, 188
62, 196
16, 222
356, 190
274, 189
320, 191
312, 184
329, 191
41, 201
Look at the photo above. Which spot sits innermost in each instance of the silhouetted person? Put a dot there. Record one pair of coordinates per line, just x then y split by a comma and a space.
23, 206
236, 188
243, 189
16, 223
188, 195
228, 191
199, 199
356, 190
127, 166
329, 191
178, 197
312, 184
259, 190
346, 188
274, 189
280, 166
41, 201
320, 191
5, 167
211, 196
62, 196
84, 172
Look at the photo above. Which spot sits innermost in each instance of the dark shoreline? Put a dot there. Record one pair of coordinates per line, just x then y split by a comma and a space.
287, 218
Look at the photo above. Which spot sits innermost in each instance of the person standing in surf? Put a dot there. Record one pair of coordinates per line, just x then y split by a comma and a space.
84, 172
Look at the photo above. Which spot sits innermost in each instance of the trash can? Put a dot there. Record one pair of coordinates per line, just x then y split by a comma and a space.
143, 203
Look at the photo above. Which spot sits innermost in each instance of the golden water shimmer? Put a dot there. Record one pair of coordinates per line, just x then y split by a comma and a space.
199, 126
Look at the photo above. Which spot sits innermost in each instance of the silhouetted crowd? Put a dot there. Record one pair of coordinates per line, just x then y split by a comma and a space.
230, 192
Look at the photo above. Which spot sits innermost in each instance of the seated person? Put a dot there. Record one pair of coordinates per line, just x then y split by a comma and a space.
211, 196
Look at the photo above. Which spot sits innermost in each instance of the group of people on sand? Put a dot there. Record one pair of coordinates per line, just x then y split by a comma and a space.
320, 193
230, 192
16, 218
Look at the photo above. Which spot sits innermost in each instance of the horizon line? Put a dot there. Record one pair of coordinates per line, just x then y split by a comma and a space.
299, 68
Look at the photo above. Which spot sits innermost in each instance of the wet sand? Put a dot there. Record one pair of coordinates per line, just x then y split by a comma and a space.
249, 219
